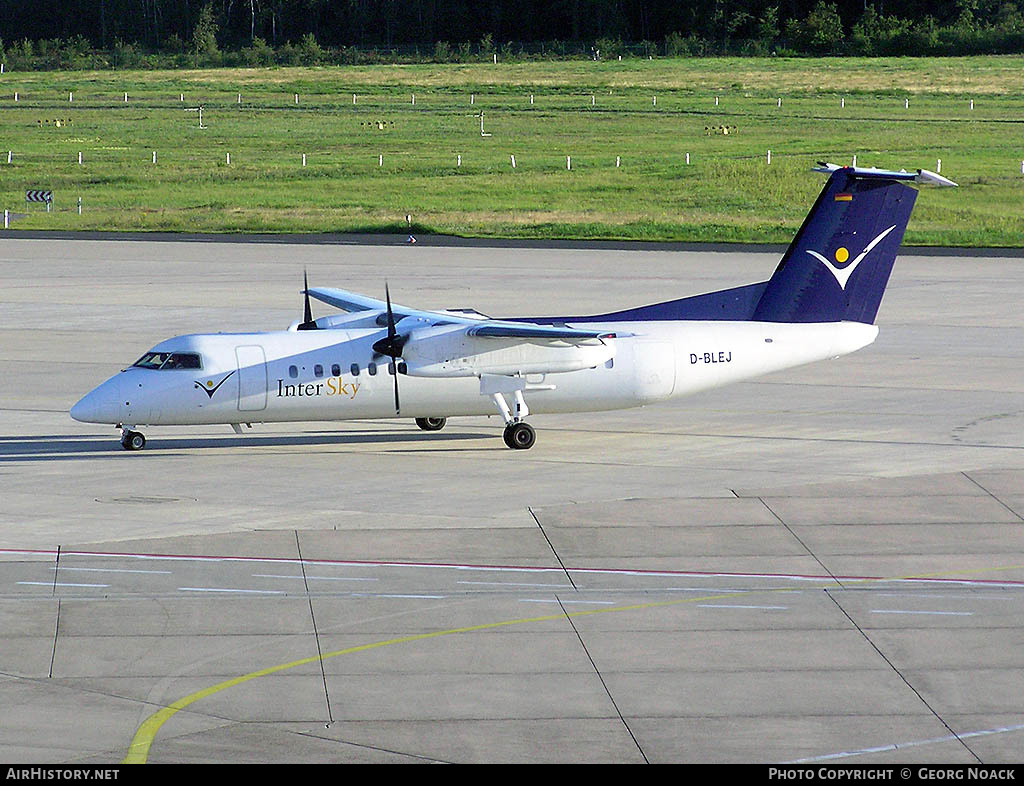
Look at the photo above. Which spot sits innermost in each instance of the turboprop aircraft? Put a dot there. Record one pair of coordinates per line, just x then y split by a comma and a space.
820, 303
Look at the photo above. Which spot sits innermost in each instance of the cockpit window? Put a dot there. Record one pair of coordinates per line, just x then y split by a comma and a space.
169, 360
152, 360
182, 360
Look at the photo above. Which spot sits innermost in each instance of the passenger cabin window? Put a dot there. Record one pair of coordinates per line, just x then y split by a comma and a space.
293, 371
318, 370
355, 369
335, 370
165, 361
372, 368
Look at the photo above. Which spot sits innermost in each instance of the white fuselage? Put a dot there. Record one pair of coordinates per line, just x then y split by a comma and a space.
334, 374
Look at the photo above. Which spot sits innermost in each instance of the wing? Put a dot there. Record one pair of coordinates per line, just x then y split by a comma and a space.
447, 344
522, 330
480, 326
353, 302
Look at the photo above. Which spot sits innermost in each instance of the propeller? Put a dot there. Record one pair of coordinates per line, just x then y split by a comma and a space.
307, 317
391, 345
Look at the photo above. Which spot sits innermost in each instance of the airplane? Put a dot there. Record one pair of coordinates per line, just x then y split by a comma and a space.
820, 302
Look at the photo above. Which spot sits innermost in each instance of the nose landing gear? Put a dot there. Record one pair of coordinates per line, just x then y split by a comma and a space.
132, 440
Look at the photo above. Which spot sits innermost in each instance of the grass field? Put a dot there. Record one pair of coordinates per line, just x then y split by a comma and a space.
647, 114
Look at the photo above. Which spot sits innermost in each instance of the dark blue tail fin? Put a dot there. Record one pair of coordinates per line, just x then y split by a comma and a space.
835, 269
838, 264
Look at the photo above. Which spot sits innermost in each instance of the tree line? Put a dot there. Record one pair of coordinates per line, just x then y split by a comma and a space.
42, 34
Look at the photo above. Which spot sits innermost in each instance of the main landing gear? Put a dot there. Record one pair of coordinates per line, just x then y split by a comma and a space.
132, 440
518, 434
431, 424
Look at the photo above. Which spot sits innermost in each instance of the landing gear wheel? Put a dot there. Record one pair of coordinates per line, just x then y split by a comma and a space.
519, 436
133, 440
431, 424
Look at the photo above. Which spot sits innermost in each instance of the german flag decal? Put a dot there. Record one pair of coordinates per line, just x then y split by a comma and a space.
844, 198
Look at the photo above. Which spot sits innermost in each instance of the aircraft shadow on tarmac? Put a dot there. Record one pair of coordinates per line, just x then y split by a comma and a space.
55, 448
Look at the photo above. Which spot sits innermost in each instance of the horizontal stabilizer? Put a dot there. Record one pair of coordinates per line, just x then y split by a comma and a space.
865, 173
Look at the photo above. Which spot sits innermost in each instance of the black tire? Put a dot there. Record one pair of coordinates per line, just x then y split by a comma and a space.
133, 440
431, 424
520, 436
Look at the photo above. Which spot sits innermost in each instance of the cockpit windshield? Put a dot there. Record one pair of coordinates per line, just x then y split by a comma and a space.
169, 360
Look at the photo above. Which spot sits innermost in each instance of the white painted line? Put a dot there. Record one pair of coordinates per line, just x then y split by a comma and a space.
108, 570
418, 597
697, 589
311, 578
218, 589
274, 576
862, 580
737, 606
905, 611
930, 596
59, 584
915, 743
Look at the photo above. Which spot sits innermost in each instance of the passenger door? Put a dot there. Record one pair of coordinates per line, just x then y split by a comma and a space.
252, 378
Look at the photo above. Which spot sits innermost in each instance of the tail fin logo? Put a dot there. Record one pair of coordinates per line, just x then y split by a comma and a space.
842, 275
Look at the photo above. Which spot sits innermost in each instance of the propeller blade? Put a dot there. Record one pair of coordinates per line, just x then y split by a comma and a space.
307, 317
305, 288
391, 314
398, 408
394, 348
392, 344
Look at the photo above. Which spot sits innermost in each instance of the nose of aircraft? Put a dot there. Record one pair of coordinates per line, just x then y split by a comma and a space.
98, 405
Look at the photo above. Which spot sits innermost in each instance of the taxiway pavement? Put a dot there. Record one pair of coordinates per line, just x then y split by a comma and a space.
825, 564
